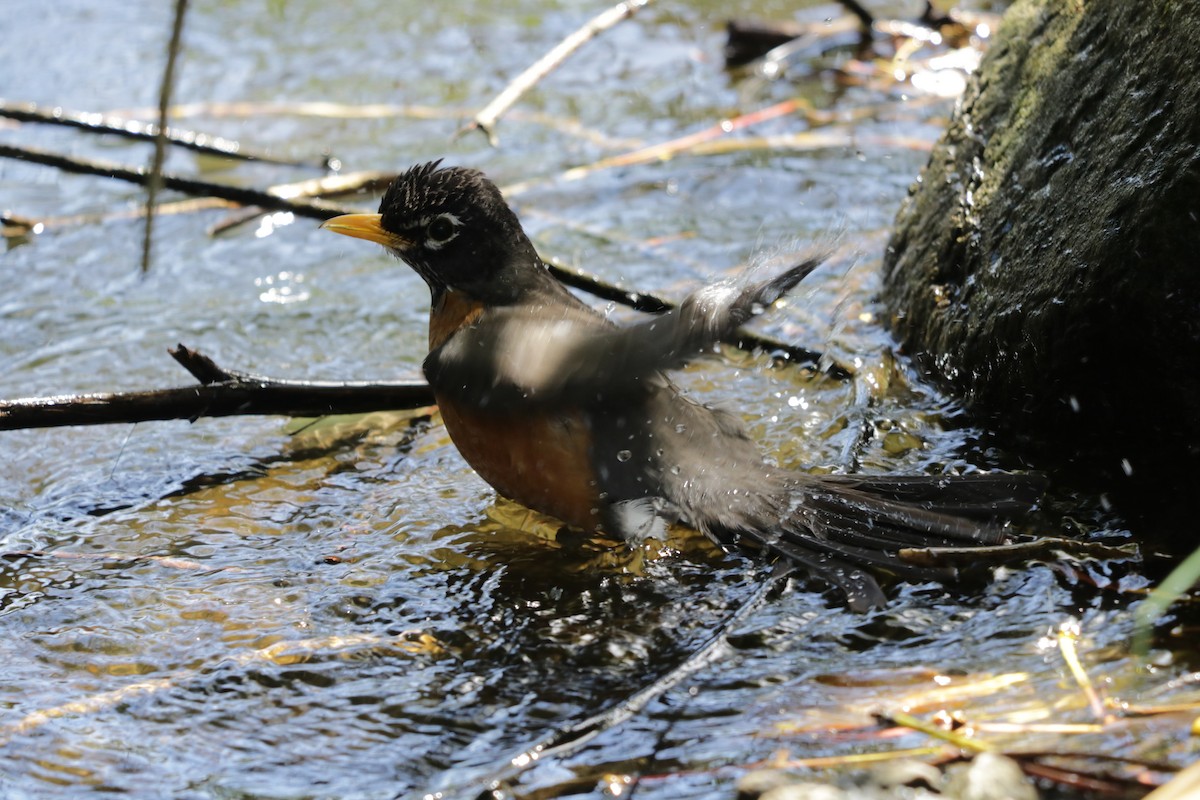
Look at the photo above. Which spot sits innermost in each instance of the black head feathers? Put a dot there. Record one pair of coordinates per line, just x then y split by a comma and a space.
456, 229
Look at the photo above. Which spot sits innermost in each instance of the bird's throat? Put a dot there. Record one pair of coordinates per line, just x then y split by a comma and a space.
450, 311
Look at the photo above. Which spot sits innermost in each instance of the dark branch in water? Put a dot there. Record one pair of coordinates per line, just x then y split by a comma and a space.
321, 210
193, 186
223, 393
145, 132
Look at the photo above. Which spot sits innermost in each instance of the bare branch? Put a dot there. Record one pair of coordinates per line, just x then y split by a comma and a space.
311, 209
486, 119
224, 393
160, 139
142, 131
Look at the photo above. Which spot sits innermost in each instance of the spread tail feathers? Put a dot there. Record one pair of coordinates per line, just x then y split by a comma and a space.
844, 528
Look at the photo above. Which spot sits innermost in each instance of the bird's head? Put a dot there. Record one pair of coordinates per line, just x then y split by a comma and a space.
452, 226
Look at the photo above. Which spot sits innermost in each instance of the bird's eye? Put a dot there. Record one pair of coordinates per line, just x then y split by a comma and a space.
440, 230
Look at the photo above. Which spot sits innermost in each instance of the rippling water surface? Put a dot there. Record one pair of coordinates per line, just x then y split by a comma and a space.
258, 607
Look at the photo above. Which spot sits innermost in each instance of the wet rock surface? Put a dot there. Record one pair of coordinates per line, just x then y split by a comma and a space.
1045, 264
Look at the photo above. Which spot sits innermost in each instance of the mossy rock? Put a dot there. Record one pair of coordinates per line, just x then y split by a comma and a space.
1046, 264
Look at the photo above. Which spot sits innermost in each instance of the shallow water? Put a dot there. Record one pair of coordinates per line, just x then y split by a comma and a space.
255, 607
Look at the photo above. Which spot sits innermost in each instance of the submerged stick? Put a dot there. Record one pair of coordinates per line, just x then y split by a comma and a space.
486, 119
295, 651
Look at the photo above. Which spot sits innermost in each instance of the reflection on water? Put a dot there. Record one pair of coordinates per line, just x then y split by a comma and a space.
251, 608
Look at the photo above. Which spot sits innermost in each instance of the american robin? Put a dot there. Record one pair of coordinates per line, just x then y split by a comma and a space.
570, 414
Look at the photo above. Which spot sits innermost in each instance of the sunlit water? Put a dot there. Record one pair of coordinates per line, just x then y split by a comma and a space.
250, 607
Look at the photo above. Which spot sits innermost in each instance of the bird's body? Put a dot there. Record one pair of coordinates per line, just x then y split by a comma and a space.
565, 412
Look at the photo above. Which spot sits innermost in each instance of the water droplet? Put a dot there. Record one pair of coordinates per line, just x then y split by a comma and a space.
624, 455
680, 428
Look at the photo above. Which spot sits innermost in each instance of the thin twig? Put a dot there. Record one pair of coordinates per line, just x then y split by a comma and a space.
704, 144
325, 110
804, 141
486, 119
320, 109
23, 226
965, 743
602, 289
1079, 782
1017, 551
160, 139
665, 150
338, 185
1067, 634
168, 562
326, 186
202, 367
222, 394
205, 143
749, 40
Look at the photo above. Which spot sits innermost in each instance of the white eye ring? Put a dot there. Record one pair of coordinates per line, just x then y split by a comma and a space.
441, 230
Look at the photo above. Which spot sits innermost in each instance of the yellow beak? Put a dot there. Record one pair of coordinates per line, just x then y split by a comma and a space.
366, 226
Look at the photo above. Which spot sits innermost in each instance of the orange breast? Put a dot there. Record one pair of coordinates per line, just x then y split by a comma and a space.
539, 460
